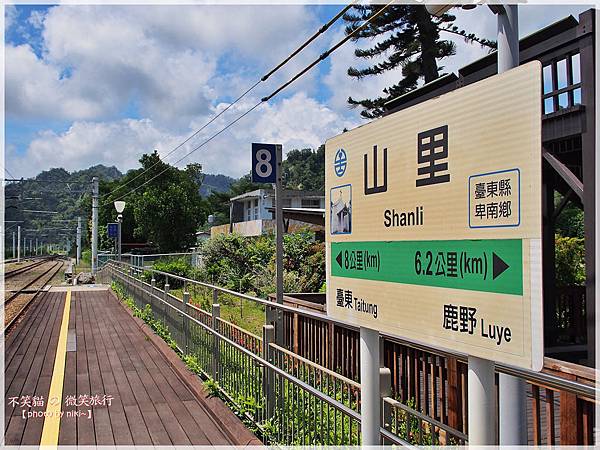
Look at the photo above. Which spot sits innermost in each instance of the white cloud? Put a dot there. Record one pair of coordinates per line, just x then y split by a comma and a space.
11, 14
35, 89
36, 19
176, 66
98, 60
84, 144
296, 122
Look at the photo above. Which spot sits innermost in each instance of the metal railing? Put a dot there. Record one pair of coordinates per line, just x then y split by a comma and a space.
291, 400
402, 423
149, 259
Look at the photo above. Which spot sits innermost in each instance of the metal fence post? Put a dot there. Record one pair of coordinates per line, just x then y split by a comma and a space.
385, 387
186, 300
216, 314
165, 297
152, 290
267, 375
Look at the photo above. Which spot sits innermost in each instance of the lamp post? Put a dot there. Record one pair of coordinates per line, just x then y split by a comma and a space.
119, 206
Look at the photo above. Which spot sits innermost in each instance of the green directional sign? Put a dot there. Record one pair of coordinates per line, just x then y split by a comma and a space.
488, 265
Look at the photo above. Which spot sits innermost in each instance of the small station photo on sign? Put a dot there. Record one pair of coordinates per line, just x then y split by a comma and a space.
434, 221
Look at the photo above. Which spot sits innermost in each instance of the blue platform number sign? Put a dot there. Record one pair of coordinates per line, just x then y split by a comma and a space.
340, 162
264, 163
113, 230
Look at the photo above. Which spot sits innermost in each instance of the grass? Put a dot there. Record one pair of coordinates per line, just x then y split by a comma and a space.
245, 314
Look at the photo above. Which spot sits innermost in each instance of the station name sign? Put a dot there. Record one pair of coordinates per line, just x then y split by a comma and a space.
433, 221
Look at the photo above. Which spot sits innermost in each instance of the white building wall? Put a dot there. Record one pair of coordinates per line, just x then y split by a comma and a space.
264, 204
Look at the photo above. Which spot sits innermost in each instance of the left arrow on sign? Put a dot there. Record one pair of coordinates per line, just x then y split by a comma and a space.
339, 259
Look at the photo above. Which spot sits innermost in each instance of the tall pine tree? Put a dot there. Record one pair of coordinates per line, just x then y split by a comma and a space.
411, 42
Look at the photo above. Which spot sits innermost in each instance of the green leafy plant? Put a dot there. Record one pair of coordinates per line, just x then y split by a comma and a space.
213, 388
570, 261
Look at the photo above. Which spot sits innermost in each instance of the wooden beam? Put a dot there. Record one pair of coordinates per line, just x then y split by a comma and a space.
564, 172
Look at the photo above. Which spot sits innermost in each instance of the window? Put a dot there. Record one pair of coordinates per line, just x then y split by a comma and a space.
286, 203
248, 210
561, 74
562, 83
311, 203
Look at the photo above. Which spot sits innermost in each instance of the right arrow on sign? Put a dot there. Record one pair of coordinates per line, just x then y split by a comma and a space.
498, 264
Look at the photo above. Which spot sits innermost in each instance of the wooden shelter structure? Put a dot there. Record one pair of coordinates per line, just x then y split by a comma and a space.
566, 51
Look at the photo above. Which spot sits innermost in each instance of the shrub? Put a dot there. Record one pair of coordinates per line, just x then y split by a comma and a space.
247, 264
179, 267
570, 261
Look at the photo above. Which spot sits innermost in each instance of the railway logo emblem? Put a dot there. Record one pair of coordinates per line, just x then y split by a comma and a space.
340, 162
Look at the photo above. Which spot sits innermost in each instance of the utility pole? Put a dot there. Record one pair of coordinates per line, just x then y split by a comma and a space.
19, 243
78, 240
94, 225
14, 247
36, 247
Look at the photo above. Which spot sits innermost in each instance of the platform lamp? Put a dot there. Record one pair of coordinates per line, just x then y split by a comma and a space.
119, 206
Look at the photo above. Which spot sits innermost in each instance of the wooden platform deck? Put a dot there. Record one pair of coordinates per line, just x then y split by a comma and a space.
119, 386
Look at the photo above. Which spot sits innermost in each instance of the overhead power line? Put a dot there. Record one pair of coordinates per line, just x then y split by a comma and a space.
264, 99
8, 172
189, 153
325, 54
265, 77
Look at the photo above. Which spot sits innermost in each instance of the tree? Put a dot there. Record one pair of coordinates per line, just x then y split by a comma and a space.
411, 41
302, 170
305, 169
170, 209
164, 206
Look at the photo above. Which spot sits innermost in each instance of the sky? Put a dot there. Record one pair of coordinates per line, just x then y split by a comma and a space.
104, 84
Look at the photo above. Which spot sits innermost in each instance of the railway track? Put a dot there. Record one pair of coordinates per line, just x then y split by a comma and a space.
24, 269
19, 299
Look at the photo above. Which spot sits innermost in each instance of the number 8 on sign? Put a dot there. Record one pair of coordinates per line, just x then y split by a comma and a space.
263, 167
264, 163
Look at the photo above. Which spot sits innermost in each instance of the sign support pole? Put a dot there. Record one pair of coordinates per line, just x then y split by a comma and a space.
14, 247
512, 397
94, 225
481, 402
512, 425
279, 243
370, 409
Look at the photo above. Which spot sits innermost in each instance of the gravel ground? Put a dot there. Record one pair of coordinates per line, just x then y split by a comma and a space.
15, 305
17, 282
